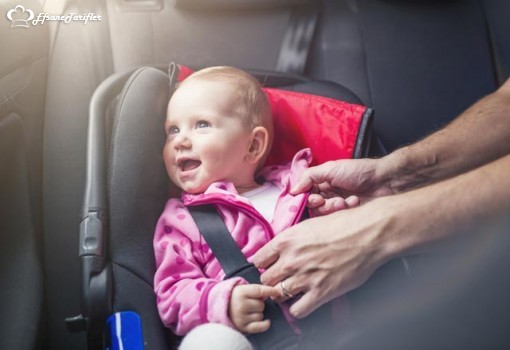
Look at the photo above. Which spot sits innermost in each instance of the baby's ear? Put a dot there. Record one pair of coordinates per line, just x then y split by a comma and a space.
259, 142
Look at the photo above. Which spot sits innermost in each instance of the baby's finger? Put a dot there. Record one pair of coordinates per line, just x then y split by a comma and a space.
254, 317
257, 327
252, 305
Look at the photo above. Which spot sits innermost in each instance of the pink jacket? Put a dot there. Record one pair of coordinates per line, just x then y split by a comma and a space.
189, 281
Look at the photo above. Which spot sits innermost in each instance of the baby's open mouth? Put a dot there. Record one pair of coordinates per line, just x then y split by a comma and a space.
189, 164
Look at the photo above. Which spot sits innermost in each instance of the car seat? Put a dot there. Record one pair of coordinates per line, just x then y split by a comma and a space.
126, 190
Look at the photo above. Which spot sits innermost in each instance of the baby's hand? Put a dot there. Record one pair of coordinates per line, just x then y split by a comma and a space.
322, 205
246, 307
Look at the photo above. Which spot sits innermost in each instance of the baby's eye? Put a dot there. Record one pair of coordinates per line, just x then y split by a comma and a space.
173, 130
203, 124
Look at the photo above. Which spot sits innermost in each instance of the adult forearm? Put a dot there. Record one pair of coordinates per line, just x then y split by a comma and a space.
478, 136
432, 213
327, 256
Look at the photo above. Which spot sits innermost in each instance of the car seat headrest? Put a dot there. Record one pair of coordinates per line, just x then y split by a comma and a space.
331, 128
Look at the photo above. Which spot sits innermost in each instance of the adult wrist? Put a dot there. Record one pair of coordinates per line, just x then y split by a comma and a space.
385, 240
394, 236
408, 168
388, 174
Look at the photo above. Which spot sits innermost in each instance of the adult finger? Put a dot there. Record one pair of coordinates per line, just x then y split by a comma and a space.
289, 289
257, 327
311, 176
263, 292
304, 184
282, 268
276, 273
331, 205
266, 255
305, 305
311, 301
353, 201
315, 200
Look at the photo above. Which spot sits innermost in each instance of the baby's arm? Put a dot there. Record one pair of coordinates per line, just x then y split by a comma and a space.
190, 302
186, 298
246, 307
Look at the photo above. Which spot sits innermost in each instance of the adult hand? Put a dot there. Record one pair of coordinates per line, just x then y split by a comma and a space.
343, 184
327, 256
246, 307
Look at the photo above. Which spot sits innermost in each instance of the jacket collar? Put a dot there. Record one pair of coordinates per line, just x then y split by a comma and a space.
282, 175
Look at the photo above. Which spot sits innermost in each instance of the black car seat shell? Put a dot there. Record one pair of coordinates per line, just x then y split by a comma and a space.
126, 190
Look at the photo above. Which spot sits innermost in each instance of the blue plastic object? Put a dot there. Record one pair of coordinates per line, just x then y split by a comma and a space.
125, 331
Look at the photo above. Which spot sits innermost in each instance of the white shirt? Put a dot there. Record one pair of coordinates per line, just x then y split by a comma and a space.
264, 199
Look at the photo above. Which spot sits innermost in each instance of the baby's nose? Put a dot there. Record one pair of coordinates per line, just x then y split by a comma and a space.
182, 141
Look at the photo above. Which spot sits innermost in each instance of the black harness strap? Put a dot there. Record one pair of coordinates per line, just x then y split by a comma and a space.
219, 239
234, 263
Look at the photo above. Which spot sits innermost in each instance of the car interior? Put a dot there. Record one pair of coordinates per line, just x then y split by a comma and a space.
417, 63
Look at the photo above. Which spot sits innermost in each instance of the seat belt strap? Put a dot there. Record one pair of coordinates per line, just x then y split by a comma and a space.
298, 38
222, 244
234, 263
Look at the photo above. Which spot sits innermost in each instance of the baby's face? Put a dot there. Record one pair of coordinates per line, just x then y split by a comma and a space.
206, 142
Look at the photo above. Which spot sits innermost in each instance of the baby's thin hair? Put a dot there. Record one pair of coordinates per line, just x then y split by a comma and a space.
252, 103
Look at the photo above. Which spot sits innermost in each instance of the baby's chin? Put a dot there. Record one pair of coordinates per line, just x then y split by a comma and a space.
196, 189
193, 191
188, 187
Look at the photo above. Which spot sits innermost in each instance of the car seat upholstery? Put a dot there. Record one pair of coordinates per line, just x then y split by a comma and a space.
417, 63
21, 295
498, 28
23, 67
247, 33
80, 59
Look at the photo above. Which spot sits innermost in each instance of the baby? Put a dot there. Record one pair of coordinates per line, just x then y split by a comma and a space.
219, 132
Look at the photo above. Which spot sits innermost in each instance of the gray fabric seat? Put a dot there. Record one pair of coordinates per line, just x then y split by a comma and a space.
23, 69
